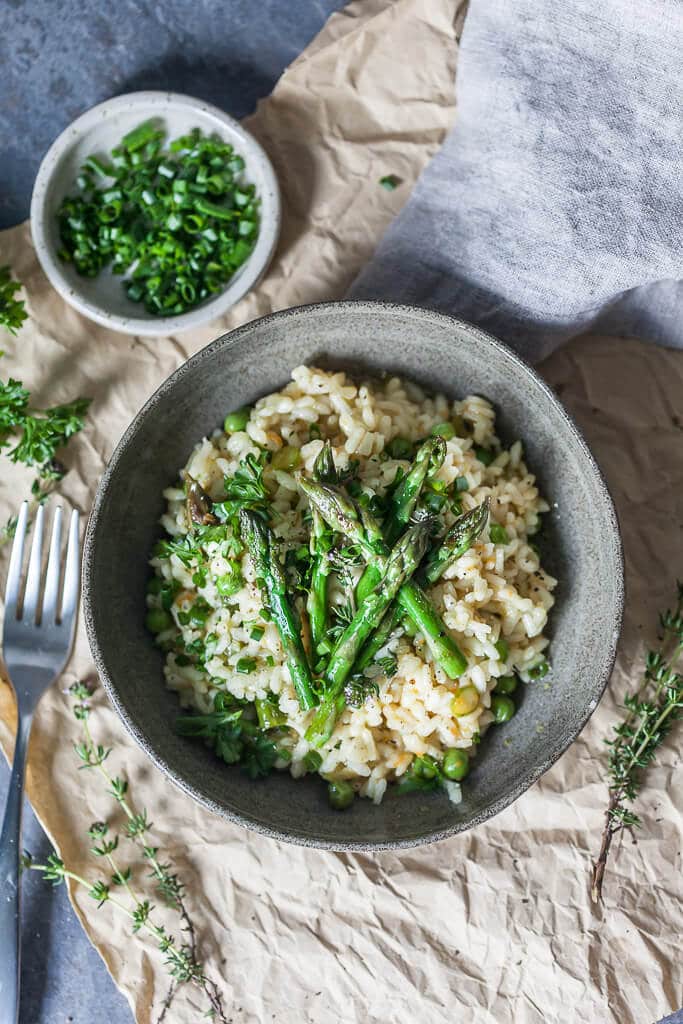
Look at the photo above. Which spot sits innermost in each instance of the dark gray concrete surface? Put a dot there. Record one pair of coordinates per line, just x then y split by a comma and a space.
56, 60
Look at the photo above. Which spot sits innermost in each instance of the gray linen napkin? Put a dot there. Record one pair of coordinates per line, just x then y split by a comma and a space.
555, 203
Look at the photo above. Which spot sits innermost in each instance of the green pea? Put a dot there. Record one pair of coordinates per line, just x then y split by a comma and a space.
154, 586
503, 709
340, 794
465, 700
287, 458
425, 767
168, 593
539, 670
236, 420
456, 764
158, 620
506, 684
444, 430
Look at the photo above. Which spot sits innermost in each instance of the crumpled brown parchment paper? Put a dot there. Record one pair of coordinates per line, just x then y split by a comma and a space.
495, 925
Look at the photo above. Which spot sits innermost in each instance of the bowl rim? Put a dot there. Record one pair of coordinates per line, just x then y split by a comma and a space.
229, 339
235, 289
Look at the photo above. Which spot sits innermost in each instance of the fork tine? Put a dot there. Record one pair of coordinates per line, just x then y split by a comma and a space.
54, 562
71, 571
16, 558
34, 569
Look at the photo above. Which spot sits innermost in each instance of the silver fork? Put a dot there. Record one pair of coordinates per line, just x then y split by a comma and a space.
37, 641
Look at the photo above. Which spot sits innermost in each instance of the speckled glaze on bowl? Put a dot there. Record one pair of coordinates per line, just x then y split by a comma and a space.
581, 547
102, 298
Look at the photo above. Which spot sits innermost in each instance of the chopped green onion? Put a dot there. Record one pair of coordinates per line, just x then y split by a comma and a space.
93, 163
246, 666
148, 218
498, 534
461, 483
312, 761
435, 502
268, 710
257, 633
400, 448
139, 137
390, 182
503, 649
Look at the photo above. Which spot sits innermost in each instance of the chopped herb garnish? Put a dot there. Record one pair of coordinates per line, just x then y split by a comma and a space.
498, 534
178, 222
12, 311
484, 456
230, 582
390, 182
244, 490
312, 761
268, 712
400, 448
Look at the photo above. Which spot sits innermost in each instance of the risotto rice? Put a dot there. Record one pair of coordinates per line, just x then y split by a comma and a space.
494, 599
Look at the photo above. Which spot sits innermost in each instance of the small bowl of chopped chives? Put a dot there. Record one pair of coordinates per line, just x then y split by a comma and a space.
154, 213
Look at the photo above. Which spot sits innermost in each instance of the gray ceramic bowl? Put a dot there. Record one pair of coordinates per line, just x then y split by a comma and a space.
582, 548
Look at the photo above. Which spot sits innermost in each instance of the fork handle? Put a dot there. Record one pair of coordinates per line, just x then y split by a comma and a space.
10, 890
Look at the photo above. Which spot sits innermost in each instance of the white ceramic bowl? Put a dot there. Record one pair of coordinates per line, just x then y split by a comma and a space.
103, 299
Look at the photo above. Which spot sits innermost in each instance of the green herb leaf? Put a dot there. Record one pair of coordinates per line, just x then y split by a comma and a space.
390, 182
12, 311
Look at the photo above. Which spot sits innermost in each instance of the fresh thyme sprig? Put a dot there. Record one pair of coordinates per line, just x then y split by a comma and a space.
181, 960
168, 884
652, 710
